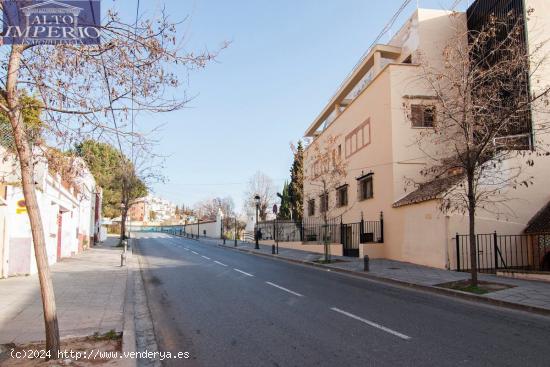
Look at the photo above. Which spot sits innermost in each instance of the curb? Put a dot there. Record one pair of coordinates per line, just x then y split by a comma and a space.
427, 288
129, 331
146, 339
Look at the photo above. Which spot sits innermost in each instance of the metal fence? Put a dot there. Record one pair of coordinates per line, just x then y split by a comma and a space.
504, 252
317, 231
280, 230
6, 135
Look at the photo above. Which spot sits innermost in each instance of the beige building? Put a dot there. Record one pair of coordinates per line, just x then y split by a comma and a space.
372, 124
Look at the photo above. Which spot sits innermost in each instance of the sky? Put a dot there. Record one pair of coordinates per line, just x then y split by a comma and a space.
285, 60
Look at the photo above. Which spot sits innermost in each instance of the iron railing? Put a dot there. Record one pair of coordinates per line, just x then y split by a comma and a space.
280, 230
317, 231
504, 252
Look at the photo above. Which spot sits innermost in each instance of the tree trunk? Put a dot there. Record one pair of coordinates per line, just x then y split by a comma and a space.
472, 230
123, 218
325, 237
26, 162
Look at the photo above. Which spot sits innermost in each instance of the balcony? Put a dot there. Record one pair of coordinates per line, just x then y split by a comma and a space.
359, 79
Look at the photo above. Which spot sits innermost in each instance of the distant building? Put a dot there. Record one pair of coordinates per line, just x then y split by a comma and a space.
138, 212
151, 210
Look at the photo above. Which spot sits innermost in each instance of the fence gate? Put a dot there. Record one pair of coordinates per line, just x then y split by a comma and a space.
350, 236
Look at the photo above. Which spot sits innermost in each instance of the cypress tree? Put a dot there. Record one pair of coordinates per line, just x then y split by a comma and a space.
296, 188
286, 204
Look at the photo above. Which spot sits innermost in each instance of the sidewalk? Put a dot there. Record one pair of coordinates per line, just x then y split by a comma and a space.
89, 290
526, 295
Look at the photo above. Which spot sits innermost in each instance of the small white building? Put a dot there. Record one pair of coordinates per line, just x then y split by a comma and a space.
70, 215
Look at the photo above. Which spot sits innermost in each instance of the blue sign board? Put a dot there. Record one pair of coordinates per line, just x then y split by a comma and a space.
50, 22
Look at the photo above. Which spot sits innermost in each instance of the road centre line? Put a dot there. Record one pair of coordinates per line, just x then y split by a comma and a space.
206, 257
196, 253
243, 272
373, 324
285, 289
219, 263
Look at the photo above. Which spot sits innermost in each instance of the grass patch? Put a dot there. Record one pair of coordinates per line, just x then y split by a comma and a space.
472, 289
323, 261
110, 335
480, 289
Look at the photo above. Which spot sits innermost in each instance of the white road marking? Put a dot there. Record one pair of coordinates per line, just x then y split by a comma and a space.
373, 324
196, 253
285, 289
206, 257
219, 263
186, 249
243, 272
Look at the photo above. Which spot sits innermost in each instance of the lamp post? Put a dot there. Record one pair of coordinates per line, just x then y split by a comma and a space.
257, 200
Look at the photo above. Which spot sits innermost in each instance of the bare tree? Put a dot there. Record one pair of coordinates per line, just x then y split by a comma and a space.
86, 92
262, 185
209, 208
326, 170
482, 134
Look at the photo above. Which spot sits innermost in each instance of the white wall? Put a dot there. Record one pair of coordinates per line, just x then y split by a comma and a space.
3, 243
213, 229
78, 220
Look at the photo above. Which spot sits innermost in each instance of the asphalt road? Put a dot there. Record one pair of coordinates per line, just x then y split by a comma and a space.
228, 308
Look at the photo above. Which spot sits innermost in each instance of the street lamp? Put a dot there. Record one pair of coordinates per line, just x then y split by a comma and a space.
257, 200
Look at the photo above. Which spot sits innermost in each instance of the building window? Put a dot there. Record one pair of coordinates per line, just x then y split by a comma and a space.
365, 187
422, 116
342, 195
323, 203
510, 34
311, 207
358, 139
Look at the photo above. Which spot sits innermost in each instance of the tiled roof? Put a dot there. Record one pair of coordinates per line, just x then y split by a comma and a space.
429, 190
540, 223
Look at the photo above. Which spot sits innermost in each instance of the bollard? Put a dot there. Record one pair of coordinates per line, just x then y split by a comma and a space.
122, 259
273, 249
224, 240
366, 261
